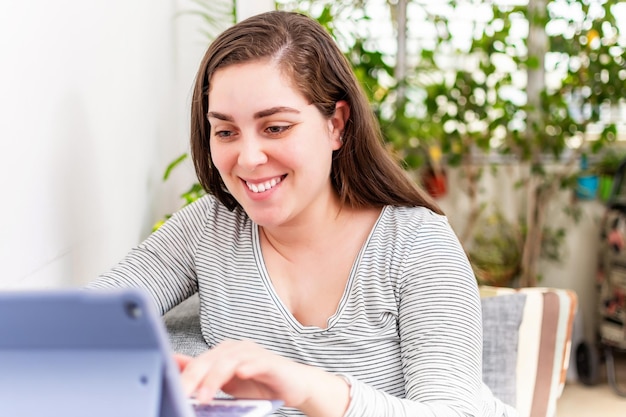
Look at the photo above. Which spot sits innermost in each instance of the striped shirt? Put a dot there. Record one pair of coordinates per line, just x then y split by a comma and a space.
407, 332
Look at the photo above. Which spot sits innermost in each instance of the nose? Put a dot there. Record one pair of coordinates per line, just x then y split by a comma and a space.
251, 153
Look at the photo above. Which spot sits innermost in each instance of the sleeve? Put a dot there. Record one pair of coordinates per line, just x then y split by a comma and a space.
440, 328
164, 263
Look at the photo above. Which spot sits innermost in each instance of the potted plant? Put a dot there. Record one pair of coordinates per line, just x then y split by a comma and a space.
433, 175
495, 250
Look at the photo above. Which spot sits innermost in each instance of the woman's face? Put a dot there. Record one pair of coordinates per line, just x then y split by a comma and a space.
273, 148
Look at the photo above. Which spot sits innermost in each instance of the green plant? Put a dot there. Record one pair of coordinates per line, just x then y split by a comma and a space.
490, 96
194, 192
588, 53
487, 98
609, 161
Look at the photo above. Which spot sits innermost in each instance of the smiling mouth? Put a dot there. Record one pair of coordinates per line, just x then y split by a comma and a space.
264, 186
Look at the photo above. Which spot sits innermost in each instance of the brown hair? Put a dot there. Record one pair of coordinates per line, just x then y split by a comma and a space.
363, 172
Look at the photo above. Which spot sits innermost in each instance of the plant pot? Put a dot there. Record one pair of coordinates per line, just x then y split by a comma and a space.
587, 187
605, 186
435, 184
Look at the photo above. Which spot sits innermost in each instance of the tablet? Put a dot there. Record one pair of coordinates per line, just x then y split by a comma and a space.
97, 353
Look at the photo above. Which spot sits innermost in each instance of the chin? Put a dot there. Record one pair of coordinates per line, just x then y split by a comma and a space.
266, 219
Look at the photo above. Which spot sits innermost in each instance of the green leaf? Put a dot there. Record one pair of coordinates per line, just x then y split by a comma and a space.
173, 165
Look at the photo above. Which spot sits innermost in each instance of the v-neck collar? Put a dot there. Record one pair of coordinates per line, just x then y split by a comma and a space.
289, 318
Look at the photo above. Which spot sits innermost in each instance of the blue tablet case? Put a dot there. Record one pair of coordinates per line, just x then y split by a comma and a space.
83, 353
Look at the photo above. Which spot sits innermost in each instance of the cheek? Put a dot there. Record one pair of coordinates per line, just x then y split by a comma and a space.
221, 158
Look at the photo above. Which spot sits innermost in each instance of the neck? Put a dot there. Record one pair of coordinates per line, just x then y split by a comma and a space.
318, 228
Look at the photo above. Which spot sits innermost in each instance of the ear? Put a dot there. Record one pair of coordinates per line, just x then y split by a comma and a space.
337, 123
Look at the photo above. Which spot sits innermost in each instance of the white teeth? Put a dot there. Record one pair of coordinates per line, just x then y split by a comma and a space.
264, 186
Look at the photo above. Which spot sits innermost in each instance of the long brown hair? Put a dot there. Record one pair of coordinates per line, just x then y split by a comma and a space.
363, 172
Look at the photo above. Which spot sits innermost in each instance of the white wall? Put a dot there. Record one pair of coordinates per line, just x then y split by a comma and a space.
247, 8
87, 117
94, 103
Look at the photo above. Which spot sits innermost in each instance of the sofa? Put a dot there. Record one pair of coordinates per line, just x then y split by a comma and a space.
526, 343
527, 338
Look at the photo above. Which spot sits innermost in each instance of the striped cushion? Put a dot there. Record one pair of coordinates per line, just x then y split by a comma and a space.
544, 345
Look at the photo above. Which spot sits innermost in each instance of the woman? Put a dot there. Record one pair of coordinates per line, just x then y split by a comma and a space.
326, 278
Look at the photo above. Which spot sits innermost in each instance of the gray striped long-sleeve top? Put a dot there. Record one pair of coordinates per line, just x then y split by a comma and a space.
407, 333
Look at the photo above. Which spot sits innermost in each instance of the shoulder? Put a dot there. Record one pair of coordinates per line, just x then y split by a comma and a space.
208, 211
413, 221
204, 204
421, 239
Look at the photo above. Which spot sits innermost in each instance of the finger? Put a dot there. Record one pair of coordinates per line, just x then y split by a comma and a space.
217, 368
194, 372
221, 372
182, 360
226, 358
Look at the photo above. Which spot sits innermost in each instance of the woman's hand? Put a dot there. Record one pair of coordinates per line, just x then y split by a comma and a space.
245, 369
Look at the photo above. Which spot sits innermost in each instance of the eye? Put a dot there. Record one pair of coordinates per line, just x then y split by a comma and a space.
277, 130
223, 134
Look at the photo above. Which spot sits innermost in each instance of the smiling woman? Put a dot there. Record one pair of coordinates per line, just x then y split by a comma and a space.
327, 279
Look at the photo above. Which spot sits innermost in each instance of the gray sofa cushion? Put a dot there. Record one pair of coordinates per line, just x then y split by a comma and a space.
502, 316
183, 326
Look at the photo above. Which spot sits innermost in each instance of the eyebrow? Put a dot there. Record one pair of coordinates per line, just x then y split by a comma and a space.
220, 116
258, 115
274, 110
